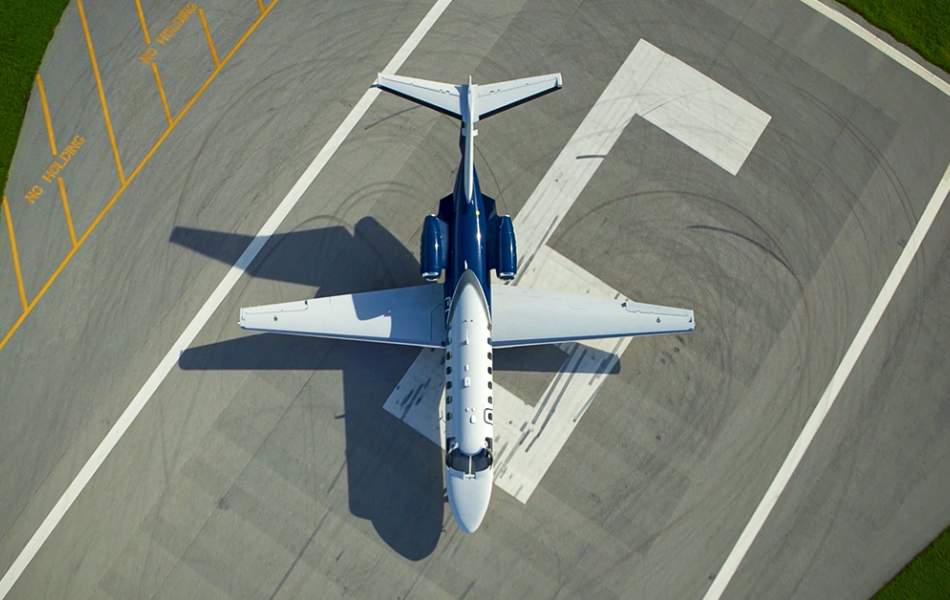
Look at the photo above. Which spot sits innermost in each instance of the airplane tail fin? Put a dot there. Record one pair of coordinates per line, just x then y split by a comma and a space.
487, 100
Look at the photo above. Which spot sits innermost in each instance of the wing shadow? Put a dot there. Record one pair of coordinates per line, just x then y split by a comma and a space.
394, 475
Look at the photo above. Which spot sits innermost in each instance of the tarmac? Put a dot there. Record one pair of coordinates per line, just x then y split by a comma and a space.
268, 467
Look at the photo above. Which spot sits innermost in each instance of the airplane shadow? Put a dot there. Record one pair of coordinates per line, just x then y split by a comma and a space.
394, 474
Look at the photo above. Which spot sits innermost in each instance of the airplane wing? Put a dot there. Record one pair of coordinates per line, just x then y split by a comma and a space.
496, 97
443, 97
412, 316
526, 317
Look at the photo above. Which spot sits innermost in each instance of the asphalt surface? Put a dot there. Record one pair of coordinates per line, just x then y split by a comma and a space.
265, 467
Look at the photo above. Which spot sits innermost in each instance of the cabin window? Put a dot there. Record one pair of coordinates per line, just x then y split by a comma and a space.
448, 384
448, 400
489, 400
489, 370
448, 416
489, 385
448, 370
489, 356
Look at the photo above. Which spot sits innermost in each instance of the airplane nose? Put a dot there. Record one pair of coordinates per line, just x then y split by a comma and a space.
468, 498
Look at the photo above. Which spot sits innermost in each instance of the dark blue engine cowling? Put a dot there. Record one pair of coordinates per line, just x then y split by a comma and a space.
433, 252
506, 253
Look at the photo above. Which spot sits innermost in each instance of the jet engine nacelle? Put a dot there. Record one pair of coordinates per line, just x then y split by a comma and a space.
506, 252
433, 253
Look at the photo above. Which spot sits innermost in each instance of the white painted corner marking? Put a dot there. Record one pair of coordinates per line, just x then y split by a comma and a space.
208, 308
830, 394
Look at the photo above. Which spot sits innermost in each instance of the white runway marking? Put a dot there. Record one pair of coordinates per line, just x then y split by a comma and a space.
831, 392
211, 304
880, 44
694, 109
686, 104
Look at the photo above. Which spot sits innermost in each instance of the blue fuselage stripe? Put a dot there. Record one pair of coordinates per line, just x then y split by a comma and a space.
468, 238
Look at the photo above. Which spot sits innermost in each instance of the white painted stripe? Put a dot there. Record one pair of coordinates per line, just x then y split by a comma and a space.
210, 306
830, 394
880, 44
694, 109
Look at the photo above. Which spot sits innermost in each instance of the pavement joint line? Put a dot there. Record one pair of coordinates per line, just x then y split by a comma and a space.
13, 252
209, 307
46, 116
211, 47
889, 50
31, 304
161, 93
100, 90
830, 394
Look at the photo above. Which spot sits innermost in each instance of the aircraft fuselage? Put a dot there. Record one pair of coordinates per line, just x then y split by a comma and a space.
468, 353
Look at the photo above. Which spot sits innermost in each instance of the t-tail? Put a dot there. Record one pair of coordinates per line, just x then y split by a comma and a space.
469, 102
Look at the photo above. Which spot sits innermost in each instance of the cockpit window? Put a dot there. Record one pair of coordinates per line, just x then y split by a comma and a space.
458, 460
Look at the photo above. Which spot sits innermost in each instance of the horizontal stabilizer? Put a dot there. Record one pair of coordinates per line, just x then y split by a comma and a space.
412, 316
489, 99
443, 97
496, 97
526, 317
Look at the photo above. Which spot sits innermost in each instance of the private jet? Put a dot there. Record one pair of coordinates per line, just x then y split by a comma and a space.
464, 315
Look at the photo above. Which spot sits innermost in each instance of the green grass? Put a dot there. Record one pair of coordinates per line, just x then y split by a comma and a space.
927, 577
26, 27
924, 25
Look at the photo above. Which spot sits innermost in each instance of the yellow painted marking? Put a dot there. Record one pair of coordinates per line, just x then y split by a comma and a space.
65, 157
260, 5
55, 167
16, 260
49, 121
161, 94
145, 34
169, 31
177, 22
125, 184
204, 25
102, 93
69, 216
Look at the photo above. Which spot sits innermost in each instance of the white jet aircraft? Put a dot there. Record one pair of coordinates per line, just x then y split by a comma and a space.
464, 315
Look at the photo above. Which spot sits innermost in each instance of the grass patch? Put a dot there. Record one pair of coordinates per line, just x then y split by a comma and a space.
924, 25
927, 577
26, 27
